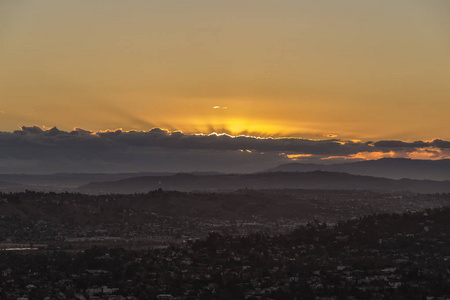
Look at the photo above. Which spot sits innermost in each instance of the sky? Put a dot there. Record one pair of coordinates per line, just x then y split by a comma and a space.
324, 71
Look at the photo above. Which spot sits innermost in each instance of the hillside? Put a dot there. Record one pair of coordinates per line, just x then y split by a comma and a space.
384, 256
86, 210
272, 180
394, 168
59, 182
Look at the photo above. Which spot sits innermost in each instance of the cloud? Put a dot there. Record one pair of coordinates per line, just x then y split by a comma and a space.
77, 130
400, 144
297, 156
80, 150
220, 107
31, 129
441, 144
437, 143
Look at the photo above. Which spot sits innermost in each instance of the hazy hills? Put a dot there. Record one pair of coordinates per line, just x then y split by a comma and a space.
394, 168
271, 180
380, 175
60, 181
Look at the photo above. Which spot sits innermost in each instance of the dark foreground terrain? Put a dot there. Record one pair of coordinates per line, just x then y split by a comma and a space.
383, 256
158, 218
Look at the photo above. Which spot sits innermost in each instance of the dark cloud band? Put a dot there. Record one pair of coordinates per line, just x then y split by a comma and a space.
158, 149
157, 137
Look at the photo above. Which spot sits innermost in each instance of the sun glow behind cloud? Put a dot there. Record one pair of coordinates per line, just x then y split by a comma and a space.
422, 153
159, 149
297, 156
270, 68
433, 154
240, 126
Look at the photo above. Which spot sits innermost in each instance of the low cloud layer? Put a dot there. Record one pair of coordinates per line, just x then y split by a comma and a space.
37, 150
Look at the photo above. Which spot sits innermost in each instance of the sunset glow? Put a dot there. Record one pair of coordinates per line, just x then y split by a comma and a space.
259, 67
212, 149
283, 81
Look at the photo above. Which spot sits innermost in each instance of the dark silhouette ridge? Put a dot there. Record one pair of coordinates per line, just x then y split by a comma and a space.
394, 168
272, 180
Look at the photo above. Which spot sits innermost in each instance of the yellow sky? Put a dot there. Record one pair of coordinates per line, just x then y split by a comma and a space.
358, 69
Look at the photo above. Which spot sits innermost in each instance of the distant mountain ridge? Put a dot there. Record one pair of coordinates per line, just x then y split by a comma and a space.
394, 168
61, 181
271, 180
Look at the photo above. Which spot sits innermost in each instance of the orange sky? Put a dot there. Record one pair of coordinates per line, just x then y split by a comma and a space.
352, 69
